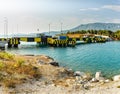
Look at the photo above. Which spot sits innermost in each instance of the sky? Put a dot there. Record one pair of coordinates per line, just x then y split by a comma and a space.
27, 16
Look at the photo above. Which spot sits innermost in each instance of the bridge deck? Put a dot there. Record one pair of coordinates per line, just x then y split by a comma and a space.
66, 40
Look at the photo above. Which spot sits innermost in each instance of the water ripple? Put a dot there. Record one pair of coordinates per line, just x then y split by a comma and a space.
88, 57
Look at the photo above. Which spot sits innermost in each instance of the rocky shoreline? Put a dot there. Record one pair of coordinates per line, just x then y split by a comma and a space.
58, 80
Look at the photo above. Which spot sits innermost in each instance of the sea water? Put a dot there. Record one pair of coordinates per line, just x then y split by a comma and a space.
104, 57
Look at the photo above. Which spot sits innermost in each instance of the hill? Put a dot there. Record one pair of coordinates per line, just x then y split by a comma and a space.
98, 26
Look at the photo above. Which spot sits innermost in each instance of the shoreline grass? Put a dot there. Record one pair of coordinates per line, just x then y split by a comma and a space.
14, 70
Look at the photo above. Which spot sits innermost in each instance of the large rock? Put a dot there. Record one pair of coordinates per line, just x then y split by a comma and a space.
70, 70
98, 75
82, 74
42, 59
77, 73
94, 80
116, 78
54, 63
107, 81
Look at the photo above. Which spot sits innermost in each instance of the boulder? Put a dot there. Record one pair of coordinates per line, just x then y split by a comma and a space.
77, 73
94, 80
116, 78
70, 70
78, 78
98, 75
44, 59
50, 58
54, 63
82, 74
101, 79
107, 81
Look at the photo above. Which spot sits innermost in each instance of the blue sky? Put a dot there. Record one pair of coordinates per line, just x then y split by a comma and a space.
25, 16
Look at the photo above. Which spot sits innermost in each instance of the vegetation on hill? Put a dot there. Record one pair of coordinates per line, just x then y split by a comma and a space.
117, 35
113, 35
98, 26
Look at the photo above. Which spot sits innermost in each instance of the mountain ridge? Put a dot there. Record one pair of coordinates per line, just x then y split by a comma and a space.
97, 26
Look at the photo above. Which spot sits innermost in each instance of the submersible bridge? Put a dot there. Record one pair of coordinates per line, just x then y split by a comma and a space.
56, 41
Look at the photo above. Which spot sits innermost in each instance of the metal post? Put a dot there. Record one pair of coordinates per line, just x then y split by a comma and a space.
6, 27
61, 27
49, 29
38, 30
17, 28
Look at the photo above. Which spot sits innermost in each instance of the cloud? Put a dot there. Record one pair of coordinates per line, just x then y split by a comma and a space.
115, 21
88, 20
87, 9
112, 7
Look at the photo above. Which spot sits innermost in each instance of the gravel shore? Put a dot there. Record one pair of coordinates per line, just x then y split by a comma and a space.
58, 80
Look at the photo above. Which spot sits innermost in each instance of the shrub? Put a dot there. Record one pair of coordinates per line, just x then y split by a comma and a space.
29, 70
14, 70
1, 65
118, 86
6, 56
11, 82
19, 62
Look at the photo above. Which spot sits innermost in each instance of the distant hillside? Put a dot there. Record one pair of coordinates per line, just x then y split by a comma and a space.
98, 26
95, 26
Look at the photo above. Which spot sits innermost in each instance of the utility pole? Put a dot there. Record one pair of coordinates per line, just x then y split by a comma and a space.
61, 27
17, 28
38, 30
49, 29
6, 27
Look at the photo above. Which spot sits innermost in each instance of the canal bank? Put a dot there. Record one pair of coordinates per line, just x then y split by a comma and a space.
41, 74
86, 57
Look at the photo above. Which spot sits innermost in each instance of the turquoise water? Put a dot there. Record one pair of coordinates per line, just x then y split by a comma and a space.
104, 57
